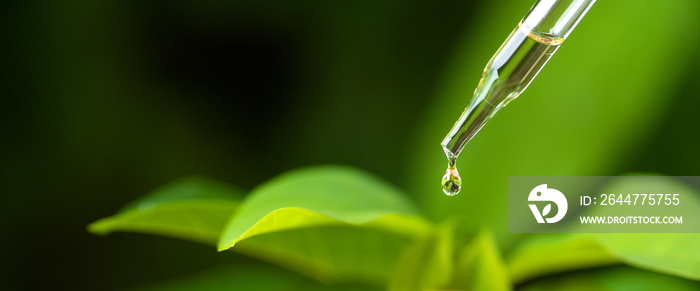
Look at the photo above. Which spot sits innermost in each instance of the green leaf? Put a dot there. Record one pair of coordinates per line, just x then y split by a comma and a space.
671, 253
319, 246
187, 188
587, 110
480, 266
337, 253
318, 196
193, 208
243, 277
617, 278
543, 254
427, 263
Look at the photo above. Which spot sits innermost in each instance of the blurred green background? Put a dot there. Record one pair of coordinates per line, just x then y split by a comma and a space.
103, 101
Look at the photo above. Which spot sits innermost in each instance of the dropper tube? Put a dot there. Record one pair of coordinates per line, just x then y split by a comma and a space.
516, 63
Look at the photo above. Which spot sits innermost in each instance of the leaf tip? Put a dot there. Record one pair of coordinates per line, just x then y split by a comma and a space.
97, 228
223, 247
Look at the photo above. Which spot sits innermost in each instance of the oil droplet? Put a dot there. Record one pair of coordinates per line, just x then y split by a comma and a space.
451, 182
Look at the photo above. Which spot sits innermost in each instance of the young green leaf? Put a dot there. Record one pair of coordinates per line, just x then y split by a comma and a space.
480, 266
616, 278
244, 277
193, 208
333, 253
671, 253
335, 250
318, 196
543, 254
427, 264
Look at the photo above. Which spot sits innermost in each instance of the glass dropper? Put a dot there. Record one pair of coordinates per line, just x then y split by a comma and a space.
510, 70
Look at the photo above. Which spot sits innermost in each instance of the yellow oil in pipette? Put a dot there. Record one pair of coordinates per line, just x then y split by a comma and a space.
507, 75
511, 69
